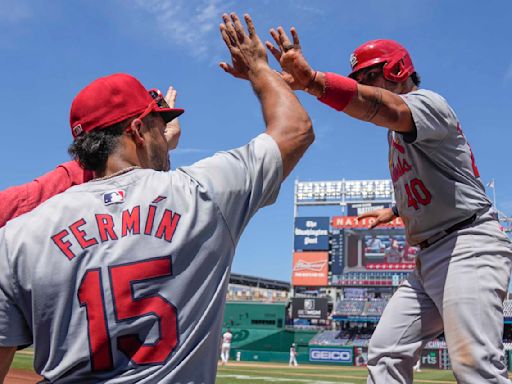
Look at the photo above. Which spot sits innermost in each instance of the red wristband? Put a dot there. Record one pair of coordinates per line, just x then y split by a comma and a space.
339, 90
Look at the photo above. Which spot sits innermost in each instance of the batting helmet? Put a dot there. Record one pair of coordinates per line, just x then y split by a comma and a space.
397, 62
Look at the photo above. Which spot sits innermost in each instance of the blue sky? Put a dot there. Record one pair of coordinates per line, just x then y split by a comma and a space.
51, 49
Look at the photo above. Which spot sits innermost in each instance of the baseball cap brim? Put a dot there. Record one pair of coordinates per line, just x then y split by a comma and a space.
169, 114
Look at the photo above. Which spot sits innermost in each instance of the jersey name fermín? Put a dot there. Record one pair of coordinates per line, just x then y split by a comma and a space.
109, 227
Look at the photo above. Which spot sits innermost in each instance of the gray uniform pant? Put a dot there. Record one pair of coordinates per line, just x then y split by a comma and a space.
458, 287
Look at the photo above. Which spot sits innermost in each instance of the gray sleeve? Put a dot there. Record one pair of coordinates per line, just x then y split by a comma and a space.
431, 114
242, 180
13, 326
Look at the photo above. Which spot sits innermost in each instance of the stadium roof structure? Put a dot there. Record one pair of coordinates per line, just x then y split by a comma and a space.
260, 282
342, 192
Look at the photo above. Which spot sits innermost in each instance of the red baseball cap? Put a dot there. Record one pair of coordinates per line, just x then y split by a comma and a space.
112, 99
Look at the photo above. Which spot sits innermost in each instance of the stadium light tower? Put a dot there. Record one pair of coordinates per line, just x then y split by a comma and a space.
341, 192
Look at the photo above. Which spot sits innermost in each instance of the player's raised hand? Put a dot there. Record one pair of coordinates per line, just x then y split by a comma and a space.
247, 51
172, 130
381, 216
296, 70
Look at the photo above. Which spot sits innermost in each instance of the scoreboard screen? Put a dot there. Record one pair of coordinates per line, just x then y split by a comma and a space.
379, 249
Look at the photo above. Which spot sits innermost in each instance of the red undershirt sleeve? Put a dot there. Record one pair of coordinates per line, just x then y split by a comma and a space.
21, 199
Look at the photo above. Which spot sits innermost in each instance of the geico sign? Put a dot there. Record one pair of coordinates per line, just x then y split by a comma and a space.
331, 355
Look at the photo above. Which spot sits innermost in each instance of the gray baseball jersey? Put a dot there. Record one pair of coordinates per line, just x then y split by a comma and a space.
435, 178
123, 280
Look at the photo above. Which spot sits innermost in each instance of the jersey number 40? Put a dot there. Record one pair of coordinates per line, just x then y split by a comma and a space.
128, 307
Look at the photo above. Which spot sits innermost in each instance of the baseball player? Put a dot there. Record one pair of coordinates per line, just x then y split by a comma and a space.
465, 259
374, 244
123, 279
392, 254
293, 356
417, 366
15, 201
226, 346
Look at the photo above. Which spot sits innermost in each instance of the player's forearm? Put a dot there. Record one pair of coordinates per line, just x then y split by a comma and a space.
380, 107
285, 118
372, 104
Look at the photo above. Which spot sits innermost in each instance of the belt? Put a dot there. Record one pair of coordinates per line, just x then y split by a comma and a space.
438, 236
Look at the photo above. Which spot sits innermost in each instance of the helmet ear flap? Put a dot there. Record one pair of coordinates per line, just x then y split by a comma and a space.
395, 70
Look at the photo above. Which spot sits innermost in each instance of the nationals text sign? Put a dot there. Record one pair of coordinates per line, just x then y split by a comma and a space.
354, 222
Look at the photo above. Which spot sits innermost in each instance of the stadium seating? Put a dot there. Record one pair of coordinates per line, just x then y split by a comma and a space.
328, 338
374, 308
246, 293
349, 308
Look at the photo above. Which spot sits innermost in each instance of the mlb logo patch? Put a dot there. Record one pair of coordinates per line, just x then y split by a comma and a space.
114, 197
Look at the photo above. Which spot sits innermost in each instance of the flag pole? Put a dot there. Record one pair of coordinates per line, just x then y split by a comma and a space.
494, 197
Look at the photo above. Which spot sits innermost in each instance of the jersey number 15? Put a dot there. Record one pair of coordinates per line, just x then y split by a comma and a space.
128, 307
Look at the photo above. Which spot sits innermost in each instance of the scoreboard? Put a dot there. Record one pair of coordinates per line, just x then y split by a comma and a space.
351, 253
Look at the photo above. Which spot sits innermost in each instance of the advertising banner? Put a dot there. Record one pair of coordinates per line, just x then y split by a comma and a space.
430, 358
357, 209
341, 355
311, 234
310, 269
309, 308
353, 222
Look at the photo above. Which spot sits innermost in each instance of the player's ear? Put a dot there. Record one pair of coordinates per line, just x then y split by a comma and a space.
134, 130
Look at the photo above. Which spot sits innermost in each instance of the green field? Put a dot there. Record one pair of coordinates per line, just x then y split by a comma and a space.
264, 373
257, 373
23, 359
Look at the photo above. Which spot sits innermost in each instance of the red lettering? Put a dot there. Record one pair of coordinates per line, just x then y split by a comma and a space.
417, 193
150, 219
80, 235
400, 168
167, 225
411, 202
64, 246
406, 166
89, 293
131, 222
105, 227
399, 147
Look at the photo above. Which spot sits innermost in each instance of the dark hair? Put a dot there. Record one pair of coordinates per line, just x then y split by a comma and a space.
416, 79
92, 149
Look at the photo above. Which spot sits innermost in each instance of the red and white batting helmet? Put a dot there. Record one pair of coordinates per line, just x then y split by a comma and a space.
397, 62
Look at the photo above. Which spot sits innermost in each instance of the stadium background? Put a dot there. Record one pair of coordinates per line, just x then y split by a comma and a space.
342, 276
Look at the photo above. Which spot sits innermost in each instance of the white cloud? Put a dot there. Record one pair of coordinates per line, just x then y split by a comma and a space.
193, 27
310, 9
188, 151
14, 11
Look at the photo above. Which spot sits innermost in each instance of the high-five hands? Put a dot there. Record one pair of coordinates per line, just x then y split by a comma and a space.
248, 54
172, 130
296, 71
